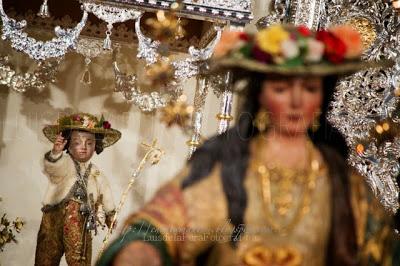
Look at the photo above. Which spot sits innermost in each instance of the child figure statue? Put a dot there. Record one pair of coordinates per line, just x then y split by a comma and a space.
75, 191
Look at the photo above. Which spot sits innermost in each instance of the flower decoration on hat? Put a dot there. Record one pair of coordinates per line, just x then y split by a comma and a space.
85, 122
282, 48
289, 45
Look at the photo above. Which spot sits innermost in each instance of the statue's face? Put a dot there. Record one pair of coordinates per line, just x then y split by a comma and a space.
82, 145
292, 103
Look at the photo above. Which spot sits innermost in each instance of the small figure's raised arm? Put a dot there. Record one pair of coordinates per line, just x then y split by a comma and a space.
59, 144
56, 167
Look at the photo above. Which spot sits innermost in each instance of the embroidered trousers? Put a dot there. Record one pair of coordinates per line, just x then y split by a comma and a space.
62, 231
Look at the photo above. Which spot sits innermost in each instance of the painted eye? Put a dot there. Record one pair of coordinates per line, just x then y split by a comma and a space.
312, 89
279, 89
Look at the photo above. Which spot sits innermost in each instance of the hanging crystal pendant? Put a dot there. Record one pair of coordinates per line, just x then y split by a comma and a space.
107, 40
44, 10
86, 78
107, 43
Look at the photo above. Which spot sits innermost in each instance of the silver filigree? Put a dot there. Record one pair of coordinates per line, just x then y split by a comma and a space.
297, 12
223, 88
224, 115
190, 67
239, 5
89, 47
278, 13
147, 48
360, 101
233, 11
146, 102
197, 118
183, 70
111, 15
44, 73
306, 12
38, 50
383, 22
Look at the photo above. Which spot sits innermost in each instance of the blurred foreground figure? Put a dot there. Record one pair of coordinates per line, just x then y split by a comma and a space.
274, 190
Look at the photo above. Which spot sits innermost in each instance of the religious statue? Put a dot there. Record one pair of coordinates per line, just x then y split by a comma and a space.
77, 190
274, 190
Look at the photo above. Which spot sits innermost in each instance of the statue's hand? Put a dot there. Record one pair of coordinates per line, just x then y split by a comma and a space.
59, 144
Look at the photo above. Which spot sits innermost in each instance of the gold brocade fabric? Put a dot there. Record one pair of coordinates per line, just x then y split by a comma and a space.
62, 232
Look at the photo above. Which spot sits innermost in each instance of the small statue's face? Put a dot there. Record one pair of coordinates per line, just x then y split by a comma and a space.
82, 146
292, 103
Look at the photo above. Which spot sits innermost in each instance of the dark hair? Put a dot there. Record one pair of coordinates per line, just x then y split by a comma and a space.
231, 149
98, 137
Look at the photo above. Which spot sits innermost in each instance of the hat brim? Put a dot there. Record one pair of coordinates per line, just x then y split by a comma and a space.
111, 136
322, 69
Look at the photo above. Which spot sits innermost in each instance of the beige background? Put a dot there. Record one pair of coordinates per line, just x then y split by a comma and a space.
22, 144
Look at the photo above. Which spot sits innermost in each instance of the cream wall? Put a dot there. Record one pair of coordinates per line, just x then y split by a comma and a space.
22, 143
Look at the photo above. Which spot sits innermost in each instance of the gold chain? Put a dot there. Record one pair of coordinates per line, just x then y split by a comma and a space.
286, 179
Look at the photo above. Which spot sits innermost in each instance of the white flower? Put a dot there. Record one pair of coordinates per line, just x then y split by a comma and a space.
290, 49
85, 121
315, 51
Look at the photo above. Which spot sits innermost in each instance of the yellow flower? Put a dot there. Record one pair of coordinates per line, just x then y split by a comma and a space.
270, 39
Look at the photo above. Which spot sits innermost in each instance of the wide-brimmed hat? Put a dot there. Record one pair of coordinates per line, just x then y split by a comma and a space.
293, 50
83, 122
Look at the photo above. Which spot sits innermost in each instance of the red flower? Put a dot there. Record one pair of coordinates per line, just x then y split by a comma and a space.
106, 125
304, 31
260, 55
351, 38
77, 118
244, 36
335, 49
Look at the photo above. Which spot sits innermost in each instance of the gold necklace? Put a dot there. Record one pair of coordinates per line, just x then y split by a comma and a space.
286, 178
